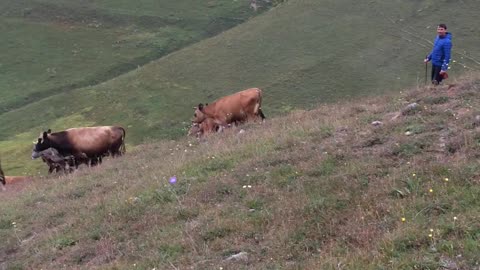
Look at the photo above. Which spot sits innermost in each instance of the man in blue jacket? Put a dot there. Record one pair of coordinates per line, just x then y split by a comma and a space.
440, 55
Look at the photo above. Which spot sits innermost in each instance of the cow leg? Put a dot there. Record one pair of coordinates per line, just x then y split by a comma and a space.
260, 113
94, 161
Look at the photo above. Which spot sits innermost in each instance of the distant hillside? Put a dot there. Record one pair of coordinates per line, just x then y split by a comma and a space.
55, 47
301, 53
391, 182
50, 47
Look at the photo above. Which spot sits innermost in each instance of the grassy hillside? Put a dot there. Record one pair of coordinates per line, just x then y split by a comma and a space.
55, 47
50, 47
332, 50
311, 190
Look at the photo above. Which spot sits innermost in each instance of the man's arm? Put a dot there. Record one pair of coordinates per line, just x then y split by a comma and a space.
447, 47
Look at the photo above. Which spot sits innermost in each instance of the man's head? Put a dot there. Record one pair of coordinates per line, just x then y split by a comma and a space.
442, 30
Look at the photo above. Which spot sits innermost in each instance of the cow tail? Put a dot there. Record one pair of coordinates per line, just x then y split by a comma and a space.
258, 107
123, 149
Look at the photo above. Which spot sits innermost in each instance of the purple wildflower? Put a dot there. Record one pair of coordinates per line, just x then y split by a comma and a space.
173, 180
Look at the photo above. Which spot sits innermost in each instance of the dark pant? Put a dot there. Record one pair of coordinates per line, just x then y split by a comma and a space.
436, 78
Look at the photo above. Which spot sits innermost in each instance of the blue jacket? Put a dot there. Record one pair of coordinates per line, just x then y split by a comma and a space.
440, 55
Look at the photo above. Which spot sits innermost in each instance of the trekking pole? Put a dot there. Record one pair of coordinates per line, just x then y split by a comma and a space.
426, 70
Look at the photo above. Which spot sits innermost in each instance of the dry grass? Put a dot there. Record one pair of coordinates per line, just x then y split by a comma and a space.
319, 189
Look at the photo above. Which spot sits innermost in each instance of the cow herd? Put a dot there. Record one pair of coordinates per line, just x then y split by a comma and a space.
64, 151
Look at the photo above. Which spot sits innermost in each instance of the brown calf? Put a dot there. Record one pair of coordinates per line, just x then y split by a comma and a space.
200, 129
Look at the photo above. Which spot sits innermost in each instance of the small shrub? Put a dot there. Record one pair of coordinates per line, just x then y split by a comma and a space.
415, 128
162, 196
256, 204
408, 243
63, 242
95, 233
436, 100
76, 194
215, 233
170, 251
408, 149
187, 213
284, 176
325, 168
5, 224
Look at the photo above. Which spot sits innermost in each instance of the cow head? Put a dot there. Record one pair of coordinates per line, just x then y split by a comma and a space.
194, 130
199, 115
42, 144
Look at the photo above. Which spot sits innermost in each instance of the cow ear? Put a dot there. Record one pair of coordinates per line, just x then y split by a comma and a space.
200, 106
49, 131
39, 140
45, 134
206, 104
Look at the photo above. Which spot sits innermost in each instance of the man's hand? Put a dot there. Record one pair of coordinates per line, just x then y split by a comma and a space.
426, 60
442, 72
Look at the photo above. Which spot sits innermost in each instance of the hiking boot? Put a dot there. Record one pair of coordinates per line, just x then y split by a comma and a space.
435, 82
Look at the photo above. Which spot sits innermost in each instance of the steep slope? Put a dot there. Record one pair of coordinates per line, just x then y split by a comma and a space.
311, 190
300, 53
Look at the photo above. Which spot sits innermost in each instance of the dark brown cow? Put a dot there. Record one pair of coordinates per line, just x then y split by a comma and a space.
93, 142
237, 108
2, 177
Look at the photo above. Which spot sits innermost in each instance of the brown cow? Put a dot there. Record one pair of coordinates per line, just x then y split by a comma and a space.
16, 179
236, 108
93, 142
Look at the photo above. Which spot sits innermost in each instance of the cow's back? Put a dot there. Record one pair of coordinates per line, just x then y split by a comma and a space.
91, 140
237, 107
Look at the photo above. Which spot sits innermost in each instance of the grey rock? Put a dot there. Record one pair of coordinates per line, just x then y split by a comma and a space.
411, 108
239, 257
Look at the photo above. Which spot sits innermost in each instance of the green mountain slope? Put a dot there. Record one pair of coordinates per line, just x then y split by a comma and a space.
49, 47
301, 53
310, 190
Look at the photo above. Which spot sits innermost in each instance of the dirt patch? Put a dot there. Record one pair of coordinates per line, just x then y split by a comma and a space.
15, 184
